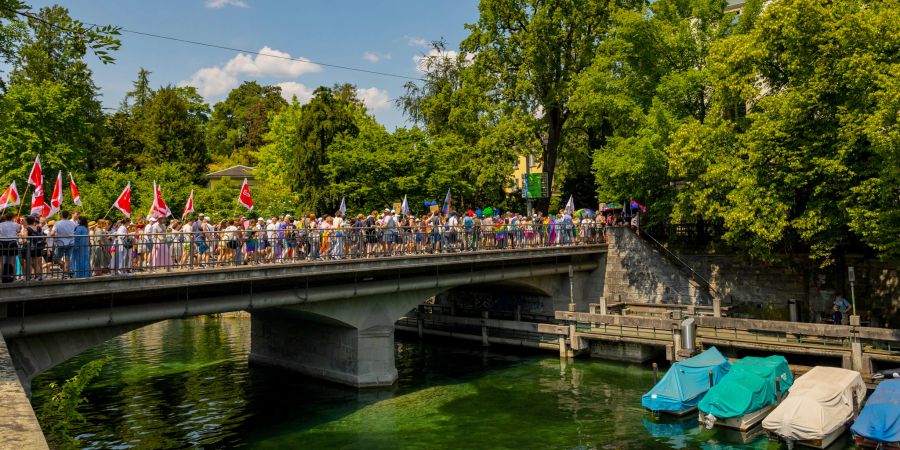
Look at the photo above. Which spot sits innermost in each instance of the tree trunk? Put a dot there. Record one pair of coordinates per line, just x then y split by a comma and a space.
551, 151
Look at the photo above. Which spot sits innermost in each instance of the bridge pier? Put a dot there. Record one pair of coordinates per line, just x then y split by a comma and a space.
348, 341
323, 348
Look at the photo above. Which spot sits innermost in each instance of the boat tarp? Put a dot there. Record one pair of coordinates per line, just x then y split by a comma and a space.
880, 418
819, 403
749, 386
686, 381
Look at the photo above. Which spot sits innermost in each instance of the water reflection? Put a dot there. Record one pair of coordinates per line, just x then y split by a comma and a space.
186, 383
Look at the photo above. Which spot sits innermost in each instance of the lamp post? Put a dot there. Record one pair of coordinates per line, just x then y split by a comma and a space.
851, 277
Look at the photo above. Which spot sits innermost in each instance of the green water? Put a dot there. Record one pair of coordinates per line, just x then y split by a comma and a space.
186, 383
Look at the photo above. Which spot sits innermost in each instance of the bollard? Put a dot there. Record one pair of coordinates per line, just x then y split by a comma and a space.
792, 310
655, 374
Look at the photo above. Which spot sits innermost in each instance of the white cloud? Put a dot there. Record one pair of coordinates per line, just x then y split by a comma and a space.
375, 99
423, 62
291, 88
374, 57
211, 81
371, 57
270, 62
417, 42
217, 80
216, 4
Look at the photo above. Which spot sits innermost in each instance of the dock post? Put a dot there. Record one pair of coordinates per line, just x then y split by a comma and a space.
711, 378
484, 330
562, 347
571, 289
778, 389
603, 305
655, 374
717, 306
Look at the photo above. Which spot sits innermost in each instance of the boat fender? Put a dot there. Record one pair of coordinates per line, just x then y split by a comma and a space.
709, 420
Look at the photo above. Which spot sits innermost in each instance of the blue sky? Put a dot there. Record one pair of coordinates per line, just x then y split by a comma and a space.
380, 35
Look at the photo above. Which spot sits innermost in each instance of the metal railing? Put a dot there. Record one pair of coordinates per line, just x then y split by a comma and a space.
35, 258
682, 265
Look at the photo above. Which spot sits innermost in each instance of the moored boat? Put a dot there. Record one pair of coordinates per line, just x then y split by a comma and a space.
878, 425
686, 382
752, 388
818, 408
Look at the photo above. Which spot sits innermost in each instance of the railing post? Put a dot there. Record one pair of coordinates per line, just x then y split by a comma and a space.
484, 329
191, 249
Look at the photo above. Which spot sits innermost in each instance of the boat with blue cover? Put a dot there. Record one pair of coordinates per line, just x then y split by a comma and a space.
752, 388
878, 425
686, 382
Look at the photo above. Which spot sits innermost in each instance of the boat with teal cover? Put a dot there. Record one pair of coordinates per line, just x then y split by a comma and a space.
685, 383
879, 421
753, 387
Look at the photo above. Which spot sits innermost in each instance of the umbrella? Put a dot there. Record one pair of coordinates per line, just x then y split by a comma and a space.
613, 205
585, 212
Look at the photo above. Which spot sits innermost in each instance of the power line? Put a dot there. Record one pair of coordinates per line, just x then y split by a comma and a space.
221, 47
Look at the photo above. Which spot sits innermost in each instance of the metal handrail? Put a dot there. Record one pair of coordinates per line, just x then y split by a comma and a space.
34, 258
683, 264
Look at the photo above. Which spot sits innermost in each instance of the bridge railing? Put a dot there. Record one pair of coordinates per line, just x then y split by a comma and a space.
32, 259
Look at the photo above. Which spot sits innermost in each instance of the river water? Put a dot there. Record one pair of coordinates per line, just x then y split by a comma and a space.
186, 383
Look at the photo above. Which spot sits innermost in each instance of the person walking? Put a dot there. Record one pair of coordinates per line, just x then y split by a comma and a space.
81, 250
9, 247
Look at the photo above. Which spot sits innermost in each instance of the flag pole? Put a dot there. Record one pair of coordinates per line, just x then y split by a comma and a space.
22, 200
109, 211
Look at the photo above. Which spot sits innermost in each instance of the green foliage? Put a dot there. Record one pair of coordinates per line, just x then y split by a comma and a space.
238, 125
300, 136
60, 413
170, 129
532, 52
44, 118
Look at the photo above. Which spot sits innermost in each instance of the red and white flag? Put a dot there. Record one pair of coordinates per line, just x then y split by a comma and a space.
158, 208
244, 197
57, 198
76, 197
36, 177
123, 203
189, 206
10, 196
38, 205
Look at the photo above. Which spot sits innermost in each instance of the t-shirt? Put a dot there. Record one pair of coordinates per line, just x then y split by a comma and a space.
64, 230
8, 230
843, 304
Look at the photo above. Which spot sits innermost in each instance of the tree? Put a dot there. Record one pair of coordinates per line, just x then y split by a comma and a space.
60, 414
238, 125
44, 118
649, 76
169, 128
810, 166
302, 134
141, 92
532, 50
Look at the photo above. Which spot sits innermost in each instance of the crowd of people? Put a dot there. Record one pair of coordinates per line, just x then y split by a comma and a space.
35, 248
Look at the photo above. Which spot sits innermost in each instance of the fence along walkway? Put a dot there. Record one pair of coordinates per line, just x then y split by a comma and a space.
101, 254
858, 347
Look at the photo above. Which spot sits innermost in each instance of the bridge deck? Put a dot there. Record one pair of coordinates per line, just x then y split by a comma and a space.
272, 272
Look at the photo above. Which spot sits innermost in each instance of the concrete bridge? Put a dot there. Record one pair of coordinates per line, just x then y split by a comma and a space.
332, 320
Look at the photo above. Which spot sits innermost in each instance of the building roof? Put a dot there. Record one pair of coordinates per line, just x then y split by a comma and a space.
233, 172
734, 5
